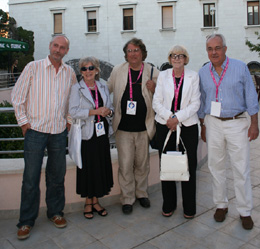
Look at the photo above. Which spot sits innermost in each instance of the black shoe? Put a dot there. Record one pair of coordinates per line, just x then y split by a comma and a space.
127, 209
144, 202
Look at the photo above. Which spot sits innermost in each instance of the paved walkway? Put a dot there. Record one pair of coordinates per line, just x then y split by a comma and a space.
147, 228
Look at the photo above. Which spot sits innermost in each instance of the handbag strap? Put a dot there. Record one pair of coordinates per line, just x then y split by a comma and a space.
151, 77
178, 138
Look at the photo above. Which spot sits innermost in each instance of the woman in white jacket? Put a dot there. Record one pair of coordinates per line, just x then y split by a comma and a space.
176, 101
90, 102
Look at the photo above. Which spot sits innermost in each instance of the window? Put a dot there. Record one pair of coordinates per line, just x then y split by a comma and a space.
57, 23
92, 21
128, 16
91, 11
167, 17
128, 19
209, 16
58, 20
253, 13
168, 14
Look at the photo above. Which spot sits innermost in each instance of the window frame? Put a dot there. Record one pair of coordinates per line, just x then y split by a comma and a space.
167, 3
87, 9
124, 6
55, 11
257, 3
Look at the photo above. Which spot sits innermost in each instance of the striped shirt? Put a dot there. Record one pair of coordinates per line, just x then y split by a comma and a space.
236, 93
40, 96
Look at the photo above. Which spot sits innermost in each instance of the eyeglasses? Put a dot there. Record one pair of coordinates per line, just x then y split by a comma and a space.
136, 50
177, 56
216, 49
90, 68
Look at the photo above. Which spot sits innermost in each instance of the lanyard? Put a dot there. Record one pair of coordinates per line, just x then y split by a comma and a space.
95, 100
222, 76
177, 89
130, 81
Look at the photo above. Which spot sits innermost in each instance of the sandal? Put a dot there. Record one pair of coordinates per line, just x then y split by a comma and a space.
101, 212
167, 214
90, 213
188, 217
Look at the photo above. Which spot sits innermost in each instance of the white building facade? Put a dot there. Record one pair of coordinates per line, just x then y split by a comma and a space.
100, 28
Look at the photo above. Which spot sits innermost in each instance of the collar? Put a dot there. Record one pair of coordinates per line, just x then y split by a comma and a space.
222, 66
49, 64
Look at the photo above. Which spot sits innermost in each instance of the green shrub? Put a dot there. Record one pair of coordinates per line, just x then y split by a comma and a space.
12, 132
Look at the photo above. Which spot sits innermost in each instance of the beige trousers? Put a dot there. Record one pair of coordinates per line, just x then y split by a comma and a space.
133, 160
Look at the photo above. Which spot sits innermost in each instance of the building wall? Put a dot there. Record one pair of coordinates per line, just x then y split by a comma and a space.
108, 43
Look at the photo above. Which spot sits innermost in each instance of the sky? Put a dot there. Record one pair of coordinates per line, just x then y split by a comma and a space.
4, 6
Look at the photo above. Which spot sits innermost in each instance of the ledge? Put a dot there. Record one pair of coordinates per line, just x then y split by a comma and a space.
209, 28
11, 174
252, 26
16, 165
170, 29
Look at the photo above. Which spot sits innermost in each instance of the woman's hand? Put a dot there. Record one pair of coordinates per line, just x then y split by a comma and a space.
103, 111
172, 123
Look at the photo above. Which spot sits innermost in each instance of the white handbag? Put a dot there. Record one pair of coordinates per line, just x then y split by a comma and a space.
174, 167
74, 143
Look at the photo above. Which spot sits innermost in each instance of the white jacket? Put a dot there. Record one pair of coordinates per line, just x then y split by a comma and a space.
164, 94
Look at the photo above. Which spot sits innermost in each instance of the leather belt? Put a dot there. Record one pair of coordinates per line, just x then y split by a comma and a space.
231, 118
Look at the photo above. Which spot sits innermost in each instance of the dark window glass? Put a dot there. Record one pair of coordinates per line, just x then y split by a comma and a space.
92, 21
128, 19
253, 13
209, 15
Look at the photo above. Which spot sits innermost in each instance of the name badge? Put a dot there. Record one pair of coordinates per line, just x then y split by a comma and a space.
100, 129
215, 109
131, 107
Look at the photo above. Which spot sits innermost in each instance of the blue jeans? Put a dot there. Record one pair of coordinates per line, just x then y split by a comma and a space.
34, 145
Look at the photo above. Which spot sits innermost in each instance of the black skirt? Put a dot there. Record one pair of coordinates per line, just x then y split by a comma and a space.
95, 179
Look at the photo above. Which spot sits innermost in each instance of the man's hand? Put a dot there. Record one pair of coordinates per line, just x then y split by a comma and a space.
25, 128
253, 130
68, 126
150, 85
203, 133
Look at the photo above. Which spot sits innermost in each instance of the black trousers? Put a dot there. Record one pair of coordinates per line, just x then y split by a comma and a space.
189, 136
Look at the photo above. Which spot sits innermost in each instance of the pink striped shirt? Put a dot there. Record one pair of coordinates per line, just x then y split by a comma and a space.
40, 96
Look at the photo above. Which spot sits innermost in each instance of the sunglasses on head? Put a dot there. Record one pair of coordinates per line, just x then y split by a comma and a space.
90, 68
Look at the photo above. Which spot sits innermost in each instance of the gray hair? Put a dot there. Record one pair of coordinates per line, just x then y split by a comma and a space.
216, 35
66, 38
94, 61
178, 49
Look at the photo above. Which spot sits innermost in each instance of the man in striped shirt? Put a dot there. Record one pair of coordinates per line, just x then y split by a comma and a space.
40, 100
227, 93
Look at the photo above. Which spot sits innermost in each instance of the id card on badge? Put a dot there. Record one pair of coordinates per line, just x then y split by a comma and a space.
215, 109
100, 129
131, 107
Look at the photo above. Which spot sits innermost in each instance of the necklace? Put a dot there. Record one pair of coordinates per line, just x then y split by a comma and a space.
92, 87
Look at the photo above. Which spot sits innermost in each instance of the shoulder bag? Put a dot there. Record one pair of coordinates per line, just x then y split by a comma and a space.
74, 143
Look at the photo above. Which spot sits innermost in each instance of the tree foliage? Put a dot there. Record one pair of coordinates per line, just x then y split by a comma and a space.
8, 26
10, 132
254, 47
